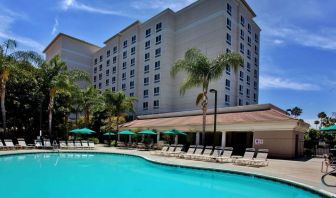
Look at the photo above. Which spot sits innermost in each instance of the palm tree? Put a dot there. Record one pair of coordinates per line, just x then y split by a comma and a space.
316, 122
322, 116
92, 101
117, 105
12, 61
200, 72
295, 112
57, 79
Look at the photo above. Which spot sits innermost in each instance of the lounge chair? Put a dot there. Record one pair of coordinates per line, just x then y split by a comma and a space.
198, 151
248, 156
225, 156
63, 144
9, 144
190, 151
38, 144
2, 146
175, 152
121, 144
163, 150
205, 155
22, 144
78, 144
47, 144
260, 159
85, 144
71, 144
91, 145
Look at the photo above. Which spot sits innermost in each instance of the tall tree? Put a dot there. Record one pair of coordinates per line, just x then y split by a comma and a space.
117, 105
200, 72
57, 79
92, 101
12, 61
322, 116
295, 111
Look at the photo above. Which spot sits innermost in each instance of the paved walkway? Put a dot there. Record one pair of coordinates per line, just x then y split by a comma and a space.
304, 172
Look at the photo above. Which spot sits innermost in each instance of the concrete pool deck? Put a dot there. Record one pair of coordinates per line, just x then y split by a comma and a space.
302, 172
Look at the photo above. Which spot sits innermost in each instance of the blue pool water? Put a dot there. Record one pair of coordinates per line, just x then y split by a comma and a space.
106, 175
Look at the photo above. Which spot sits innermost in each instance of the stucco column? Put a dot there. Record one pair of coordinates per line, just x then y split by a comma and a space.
142, 138
197, 138
223, 139
118, 137
176, 139
130, 138
158, 136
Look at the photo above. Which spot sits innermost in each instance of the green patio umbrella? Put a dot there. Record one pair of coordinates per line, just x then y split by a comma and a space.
126, 132
109, 134
174, 132
85, 131
147, 132
329, 128
75, 130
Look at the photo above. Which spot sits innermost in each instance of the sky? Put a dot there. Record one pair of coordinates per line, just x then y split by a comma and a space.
298, 39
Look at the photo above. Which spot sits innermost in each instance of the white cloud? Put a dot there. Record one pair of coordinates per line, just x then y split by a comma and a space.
161, 4
55, 27
278, 42
274, 82
76, 5
6, 21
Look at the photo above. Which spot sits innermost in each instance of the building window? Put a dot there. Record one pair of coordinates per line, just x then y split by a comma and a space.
241, 88
158, 40
148, 32
157, 78
99, 86
228, 38
113, 89
100, 58
158, 52
132, 50
240, 103
247, 93
248, 80
124, 65
158, 27
113, 79
227, 99
115, 49
131, 94
242, 20
227, 84
114, 60
256, 61
107, 63
147, 56
107, 72
156, 104
145, 106
255, 85
100, 67
95, 70
248, 54
114, 70
156, 91
241, 76
248, 66
228, 70
256, 38
123, 87
242, 34
157, 65
255, 73
123, 76
108, 53
228, 23
132, 61
146, 81
249, 28
95, 61
249, 41
242, 48
125, 43
145, 93
147, 45
132, 73
256, 50
133, 39
94, 78
132, 85
124, 54
107, 82
229, 9
146, 69
255, 97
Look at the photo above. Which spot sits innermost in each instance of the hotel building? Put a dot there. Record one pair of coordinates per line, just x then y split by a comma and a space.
139, 58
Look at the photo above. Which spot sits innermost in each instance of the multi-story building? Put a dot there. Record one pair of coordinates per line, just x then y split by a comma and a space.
139, 58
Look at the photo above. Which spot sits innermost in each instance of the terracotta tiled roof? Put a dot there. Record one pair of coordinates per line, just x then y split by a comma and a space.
270, 115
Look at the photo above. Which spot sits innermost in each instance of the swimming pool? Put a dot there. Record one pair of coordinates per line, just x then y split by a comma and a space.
107, 175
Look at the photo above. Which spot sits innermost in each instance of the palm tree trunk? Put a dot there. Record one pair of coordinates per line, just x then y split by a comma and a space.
204, 108
236, 88
50, 110
3, 108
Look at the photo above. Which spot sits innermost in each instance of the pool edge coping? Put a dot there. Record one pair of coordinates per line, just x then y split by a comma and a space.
307, 187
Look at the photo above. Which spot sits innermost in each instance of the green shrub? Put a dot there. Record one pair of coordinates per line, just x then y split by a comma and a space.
95, 140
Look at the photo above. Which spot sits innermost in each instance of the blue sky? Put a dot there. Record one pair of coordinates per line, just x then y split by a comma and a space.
298, 40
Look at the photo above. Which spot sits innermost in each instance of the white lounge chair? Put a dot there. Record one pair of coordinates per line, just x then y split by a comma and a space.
85, 144
198, 151
9, 144
160, 152
225, 156
47, 144
91, 145
2, 146
22, 144
190, 151
71, 144
248, 156
260, 159
63, 144
78, 144
38, 144
177, 151
205, 155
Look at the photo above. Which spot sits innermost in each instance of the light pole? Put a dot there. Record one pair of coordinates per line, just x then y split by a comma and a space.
215, 120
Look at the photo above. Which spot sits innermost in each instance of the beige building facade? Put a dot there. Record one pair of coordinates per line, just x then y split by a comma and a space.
138, 59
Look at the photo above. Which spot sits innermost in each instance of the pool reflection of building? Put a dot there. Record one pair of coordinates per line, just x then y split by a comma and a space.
258, 126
